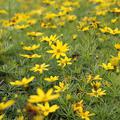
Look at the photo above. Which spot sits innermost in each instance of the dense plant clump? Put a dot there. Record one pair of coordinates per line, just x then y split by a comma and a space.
59, 60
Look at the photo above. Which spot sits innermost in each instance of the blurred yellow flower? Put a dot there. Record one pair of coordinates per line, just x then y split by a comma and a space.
62, 87
1, 116
46, 109
24, 82
30, 56
78, 106
108, 66
64, 61
30, 48
4, 105
51, 78
117, 46
40, 68
85, 115
34, 34
97, 93
21, 27
42, 96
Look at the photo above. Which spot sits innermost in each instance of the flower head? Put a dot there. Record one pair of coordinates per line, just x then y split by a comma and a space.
4, 105
30, 48
40, 68
42, 96
51, 78
58, 49
46, 109
64, 61
24, 82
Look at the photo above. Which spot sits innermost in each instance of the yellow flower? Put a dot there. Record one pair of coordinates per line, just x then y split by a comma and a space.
78, 106
50, 39
74, 36
108, 66
30, 48
34, 34
50, 16
85, 115
21, 27
20, 118
51, 78
30, 56
4, 105
68, 96
31, 22
97, 77
3, 11
58, 49
64, 61
96, 85
101, 13
109, 30
46, 109
71, 17
24, 82
91, 78
97, 93
62, 87
114, 20
105, 29
1, 117
40, 68
117, 46
38, 117
114, 61
42, 96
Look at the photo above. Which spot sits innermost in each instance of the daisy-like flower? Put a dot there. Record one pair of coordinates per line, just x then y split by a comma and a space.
61, 87
58, 49
50, 39
97, 93
117, 46
42, 96
21, 27
2, 11
1, 116
64, 61
34, 34
24, 82
30, 48
40, 68
85, 115
4, 105
91, 78
78, 106
46, 109
30, 56
108, 66
51, 78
